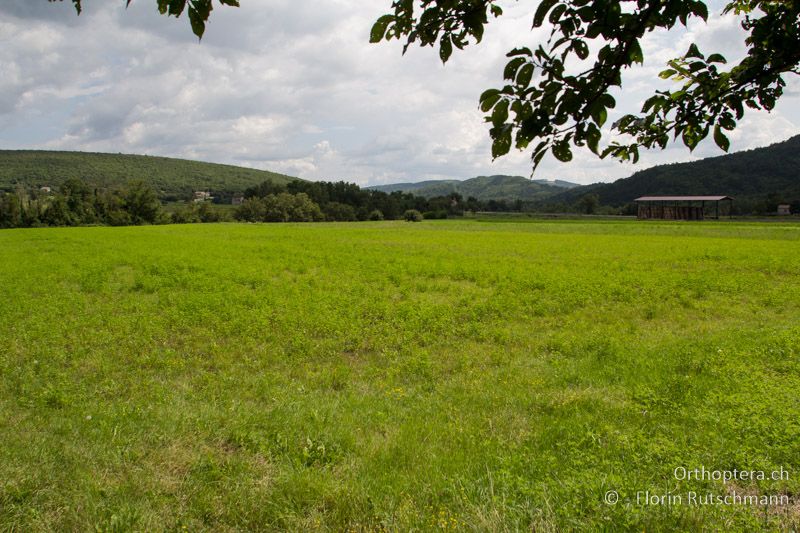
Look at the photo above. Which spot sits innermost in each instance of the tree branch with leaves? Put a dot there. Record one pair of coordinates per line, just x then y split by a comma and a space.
198, 10
550, 101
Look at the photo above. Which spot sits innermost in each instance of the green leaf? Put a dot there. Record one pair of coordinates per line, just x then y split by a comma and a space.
608, 151
198, 14
171, 7
696, 66
727, 122
587, 14
501, 141
701, 10
537, 156
593, 137
581, 48
525, 74
717, 58
562, 152
379, 28
555, 15
445, 48
500, 114
524, 51
693, 52
510, 71
608, 101
689, 139
677, 95
737, 105
634, 149
488, 99
720, 138
635, 52
541, 12
654, 103
599, 114
666, 74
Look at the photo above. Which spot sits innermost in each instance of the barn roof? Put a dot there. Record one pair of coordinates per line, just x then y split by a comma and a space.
681, 198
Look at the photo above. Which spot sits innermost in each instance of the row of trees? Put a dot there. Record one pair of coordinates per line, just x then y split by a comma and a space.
77, 204
340, 201
309, 201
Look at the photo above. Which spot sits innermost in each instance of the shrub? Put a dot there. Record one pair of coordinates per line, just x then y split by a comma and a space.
186, 214
141, 203
285, 207
339, 212
376, 215
251, 210
412, 215
10, 211
207, 213
118, 217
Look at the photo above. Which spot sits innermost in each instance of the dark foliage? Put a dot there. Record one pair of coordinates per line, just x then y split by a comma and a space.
76, 204
412, 215
758, 179
341, 201
557, 94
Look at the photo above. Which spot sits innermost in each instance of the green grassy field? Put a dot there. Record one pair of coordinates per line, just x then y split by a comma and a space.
447, 375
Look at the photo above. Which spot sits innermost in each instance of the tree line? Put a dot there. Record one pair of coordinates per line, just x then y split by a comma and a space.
76, 203
334, 201
309, 201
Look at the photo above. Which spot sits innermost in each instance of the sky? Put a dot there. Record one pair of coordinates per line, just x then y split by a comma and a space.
294, 86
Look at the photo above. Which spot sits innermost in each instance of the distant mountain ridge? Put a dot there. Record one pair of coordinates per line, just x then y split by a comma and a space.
497, 187
172, 178
558, 183
748, 176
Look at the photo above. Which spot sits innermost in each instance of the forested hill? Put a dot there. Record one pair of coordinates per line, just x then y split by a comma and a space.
752, 175
171, 178
483, 188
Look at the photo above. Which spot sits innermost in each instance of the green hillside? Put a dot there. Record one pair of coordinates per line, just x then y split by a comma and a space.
749, 176
172, 178
483, 188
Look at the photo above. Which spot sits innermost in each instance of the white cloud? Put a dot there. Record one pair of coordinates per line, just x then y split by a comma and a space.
293, 86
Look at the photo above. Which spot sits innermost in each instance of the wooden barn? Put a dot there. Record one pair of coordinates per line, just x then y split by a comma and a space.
682, 207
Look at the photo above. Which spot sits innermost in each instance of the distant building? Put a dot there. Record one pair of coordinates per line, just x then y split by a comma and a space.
681, 207
202, 196
784, 209
237, 200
